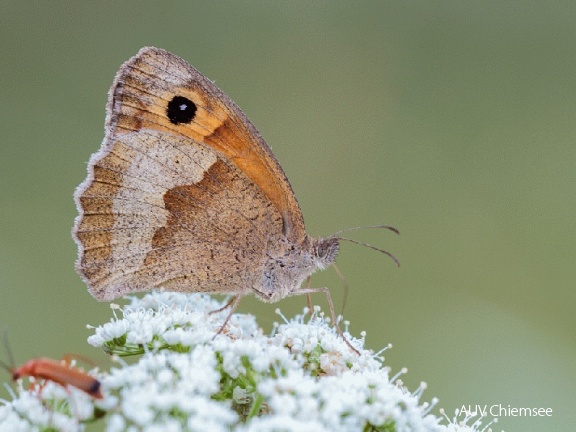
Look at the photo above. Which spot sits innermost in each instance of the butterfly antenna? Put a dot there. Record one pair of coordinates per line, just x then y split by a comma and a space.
388, 227
346, 286
385, 252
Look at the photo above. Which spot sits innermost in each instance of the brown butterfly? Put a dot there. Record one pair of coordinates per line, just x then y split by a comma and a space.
185, 194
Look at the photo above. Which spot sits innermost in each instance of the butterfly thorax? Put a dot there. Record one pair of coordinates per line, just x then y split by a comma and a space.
284, 271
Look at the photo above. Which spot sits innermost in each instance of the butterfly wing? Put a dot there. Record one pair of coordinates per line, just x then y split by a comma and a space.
184, 193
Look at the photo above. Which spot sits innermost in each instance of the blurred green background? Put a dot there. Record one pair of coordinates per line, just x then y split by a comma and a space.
451, 120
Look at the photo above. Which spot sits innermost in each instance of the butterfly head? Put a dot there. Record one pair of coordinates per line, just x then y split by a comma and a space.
324, 251
285, 269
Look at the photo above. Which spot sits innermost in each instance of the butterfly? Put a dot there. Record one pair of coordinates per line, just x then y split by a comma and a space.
185, 194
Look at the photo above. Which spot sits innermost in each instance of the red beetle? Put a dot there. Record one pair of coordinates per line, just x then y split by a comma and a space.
60, 372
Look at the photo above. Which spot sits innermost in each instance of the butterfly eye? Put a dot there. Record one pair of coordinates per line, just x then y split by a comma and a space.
181, 110
326, 250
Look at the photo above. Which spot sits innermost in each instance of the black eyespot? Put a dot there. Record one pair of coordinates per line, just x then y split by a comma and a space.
181, 110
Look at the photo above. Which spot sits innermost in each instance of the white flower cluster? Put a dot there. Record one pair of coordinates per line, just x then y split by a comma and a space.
48, 407
303, 377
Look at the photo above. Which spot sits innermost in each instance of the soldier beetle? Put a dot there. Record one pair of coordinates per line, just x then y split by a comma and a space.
58, 371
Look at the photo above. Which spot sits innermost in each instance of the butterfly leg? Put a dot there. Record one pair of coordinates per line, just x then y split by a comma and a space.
326, 292
309, 297
226, 306
233, 303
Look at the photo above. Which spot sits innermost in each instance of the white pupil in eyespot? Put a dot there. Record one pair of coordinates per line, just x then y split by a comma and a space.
183, 107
